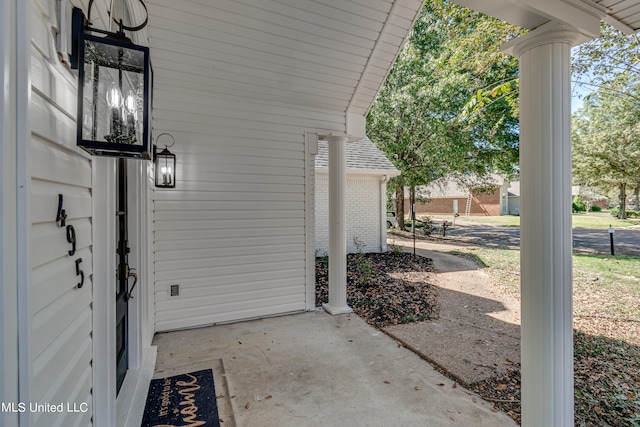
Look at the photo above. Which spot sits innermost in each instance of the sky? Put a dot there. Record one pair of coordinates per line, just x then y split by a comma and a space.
576, 102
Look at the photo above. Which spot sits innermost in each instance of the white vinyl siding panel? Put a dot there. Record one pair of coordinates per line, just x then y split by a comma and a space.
298, 52
61, 316
232, 233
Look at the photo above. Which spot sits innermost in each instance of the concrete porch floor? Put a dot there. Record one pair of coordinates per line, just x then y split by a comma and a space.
314, 369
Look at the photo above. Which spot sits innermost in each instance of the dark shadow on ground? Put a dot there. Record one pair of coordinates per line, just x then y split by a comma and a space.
464, 341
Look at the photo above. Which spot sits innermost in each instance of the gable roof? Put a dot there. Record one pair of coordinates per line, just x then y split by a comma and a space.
362, 157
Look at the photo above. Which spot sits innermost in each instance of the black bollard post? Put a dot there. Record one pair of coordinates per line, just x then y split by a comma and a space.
611, 231
413, 226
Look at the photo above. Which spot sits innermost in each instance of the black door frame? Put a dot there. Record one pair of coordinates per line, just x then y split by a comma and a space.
122, 276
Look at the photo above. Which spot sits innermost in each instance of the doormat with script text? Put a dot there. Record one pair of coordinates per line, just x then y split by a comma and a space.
182, 400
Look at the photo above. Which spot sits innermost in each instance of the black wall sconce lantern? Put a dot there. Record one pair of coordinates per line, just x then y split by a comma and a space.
165, 165
114, 90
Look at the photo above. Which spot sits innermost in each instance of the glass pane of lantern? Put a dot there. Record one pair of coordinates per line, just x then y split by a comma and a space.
165, 169
113, 107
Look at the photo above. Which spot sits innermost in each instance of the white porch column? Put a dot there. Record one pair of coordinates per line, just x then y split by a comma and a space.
337, 227
546, 238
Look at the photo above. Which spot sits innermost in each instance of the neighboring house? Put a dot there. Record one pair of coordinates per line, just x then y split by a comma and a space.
514, 197
513, 193
368, 171
591, 198
448, 197
247, 90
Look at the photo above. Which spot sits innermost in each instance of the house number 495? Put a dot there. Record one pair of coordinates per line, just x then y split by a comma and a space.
61, 218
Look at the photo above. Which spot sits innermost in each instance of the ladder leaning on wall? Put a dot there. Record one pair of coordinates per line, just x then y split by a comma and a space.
467, 209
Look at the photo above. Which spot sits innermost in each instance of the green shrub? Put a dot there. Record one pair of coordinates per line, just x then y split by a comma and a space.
630, 214
365, 267
578, 204
596, 209
395, 249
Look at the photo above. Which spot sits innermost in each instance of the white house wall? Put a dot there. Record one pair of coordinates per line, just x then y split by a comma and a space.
60, 313
363, 213
238, 84
9, 213
232, 233
514, 205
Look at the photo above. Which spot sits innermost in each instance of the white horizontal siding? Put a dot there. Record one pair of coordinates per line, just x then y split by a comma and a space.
299, 52
61, 314
232, 233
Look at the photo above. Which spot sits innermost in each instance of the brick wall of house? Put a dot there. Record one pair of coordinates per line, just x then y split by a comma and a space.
601, 203
362, 209
487, 204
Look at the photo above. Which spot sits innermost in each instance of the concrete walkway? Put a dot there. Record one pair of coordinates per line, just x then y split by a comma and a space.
477, 334
314, 369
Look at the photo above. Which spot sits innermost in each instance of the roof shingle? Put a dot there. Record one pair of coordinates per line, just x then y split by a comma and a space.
362, 156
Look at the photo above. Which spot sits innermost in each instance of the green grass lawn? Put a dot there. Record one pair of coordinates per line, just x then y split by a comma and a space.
583, 220
601, 220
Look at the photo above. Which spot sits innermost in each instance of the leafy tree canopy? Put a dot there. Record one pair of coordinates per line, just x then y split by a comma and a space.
606, 137
604, 62
421, 118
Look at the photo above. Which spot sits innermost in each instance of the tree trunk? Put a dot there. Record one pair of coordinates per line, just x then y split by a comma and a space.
622, 214
400, 205
636, 197
412, 207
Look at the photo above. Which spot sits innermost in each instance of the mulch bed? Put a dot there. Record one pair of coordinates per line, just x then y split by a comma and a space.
384, 288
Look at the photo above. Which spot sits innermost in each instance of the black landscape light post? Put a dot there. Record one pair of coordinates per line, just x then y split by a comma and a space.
413, 226
611, 231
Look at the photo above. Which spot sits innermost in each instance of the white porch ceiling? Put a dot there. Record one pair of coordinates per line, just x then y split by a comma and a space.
328, 54
584, 15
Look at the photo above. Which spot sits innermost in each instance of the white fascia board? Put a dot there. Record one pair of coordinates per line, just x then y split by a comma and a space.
532, 14
547, 33
585, 19
506, 10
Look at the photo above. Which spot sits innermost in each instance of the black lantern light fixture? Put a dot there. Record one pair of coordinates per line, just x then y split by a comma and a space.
114, 90
165, 165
